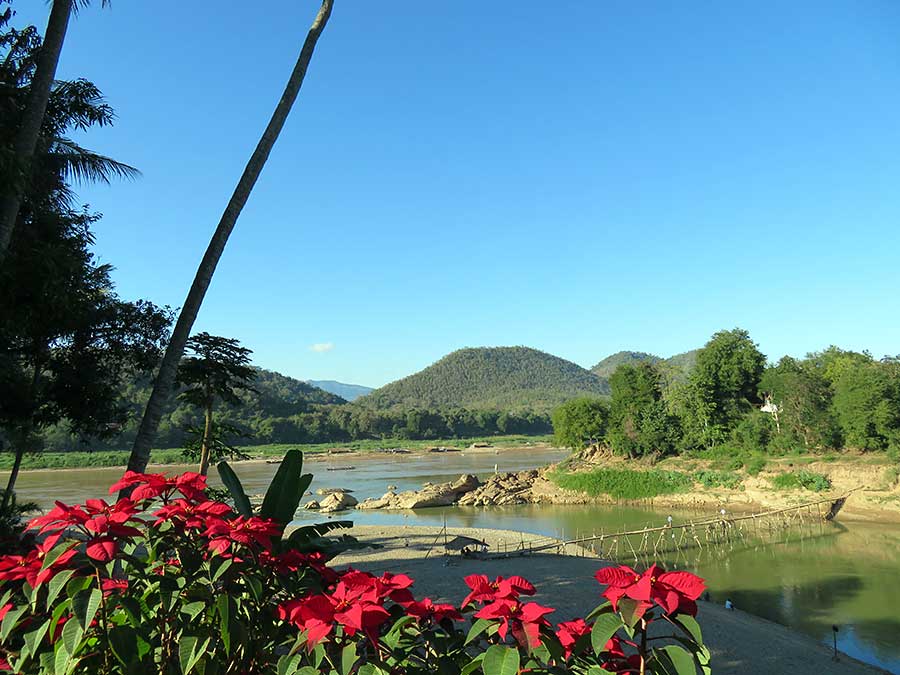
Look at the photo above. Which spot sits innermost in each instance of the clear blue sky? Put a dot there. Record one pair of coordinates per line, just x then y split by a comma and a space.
579, 177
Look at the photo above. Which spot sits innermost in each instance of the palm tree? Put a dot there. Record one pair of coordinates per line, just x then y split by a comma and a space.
165, 378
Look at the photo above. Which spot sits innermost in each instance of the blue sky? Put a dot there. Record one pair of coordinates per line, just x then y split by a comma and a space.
579, 177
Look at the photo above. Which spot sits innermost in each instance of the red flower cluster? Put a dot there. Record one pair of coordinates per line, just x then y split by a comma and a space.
102, 523
159, 486
28, 567
672, 591
502, 598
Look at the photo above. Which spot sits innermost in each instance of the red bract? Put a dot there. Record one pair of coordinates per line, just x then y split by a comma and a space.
484, 590
3, 610
525, 621
190, 515
192, 485
568, 633
113, 586
294, 561
146, 485
427, 609
252, 531
672, 591
28, 567
314, 614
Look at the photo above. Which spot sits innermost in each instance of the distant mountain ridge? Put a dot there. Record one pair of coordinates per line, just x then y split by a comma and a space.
349, 392
491, 377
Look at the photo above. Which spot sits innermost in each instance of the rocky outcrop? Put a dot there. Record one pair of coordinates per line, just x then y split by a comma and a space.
502, 489
443, 494
312, 505
337, 501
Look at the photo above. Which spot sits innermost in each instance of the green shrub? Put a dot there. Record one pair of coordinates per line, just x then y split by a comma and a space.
713, 479
625, 483
755, 465
807, 480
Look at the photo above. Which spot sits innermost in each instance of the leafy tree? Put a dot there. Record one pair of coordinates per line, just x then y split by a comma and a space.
803, 395
867, 404
580, 422
639, 420
215, 370
165, 379
722, 387
66, 339
31, 117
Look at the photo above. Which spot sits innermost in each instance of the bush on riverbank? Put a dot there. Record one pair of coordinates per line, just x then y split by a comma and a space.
796, 480
624, 483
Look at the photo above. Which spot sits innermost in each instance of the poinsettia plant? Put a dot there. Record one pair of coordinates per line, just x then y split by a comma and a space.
168, 580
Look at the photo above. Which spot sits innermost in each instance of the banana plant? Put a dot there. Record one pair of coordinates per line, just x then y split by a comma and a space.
281, 502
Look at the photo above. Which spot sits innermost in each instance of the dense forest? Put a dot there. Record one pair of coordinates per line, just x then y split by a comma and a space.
673, 369
504, 378
731, 400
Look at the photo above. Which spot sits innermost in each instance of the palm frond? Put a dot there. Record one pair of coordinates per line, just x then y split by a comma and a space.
84, 166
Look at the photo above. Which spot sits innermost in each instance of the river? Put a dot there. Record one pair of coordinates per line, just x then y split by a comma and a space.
845, 573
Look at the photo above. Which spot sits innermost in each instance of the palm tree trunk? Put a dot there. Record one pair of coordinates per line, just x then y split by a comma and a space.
27, 137
204, 442
165, 378
14, 474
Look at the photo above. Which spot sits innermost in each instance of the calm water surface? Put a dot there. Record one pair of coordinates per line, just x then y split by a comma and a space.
845, 574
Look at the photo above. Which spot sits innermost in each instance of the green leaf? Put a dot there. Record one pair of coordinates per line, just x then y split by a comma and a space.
57, 583
34, 638
600, 609
61, 659
691, 627
186, 649
674, 660
222, 568
287, 664
628, 609
472, 666
286, 489
10, 621
85, 605
72, 633
597, 670
348, 658
604, 628
477, 629
223, 607
124, 644
192, 609
500, 660
233, 483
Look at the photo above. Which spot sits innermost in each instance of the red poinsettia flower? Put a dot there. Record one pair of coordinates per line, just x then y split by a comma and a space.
192, 485
146, 485
191, 515
293, 561
485, 590
314, 615
28, 567
253, 532
394, 586
524, 621
569, 632
427, 609
672, 591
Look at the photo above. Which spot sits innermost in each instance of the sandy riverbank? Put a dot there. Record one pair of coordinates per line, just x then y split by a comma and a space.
741, 644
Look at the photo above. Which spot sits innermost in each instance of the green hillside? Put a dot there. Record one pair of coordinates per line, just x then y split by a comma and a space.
490, 377
277, 396
349, 392
608, 365
675, 368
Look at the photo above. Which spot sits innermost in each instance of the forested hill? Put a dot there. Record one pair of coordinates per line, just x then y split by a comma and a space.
608, 365
490, 377
277, 396
675, 368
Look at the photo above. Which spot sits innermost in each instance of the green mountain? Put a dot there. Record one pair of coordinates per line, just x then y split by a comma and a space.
348, 392
608, 365
675, 368
490, 377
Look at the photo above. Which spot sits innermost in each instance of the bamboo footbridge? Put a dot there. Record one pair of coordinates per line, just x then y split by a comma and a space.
717, 532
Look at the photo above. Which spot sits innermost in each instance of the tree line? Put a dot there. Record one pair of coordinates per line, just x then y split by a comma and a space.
732, 398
